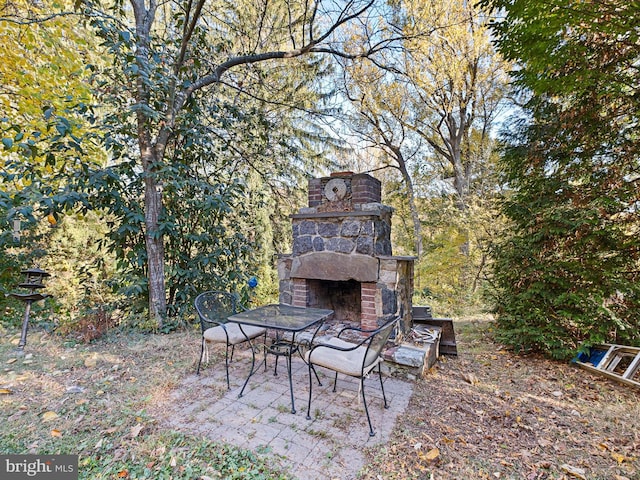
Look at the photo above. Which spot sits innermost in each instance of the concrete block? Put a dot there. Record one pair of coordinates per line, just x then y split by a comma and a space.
411, 359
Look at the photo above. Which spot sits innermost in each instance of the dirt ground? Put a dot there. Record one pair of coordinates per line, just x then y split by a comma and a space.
488, 413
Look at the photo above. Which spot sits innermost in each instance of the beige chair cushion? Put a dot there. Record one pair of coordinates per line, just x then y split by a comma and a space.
216, 334
349, 363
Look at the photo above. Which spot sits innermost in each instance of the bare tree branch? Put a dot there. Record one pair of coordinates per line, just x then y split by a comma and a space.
313, 46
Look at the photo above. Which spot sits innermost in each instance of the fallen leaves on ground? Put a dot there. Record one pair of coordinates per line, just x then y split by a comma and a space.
48, 416
135, 430
493, 414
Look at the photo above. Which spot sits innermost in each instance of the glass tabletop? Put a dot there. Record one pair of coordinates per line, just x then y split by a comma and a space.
282, 317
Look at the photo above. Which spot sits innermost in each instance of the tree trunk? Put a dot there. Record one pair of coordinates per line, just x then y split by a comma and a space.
413, 209
155, 250
150, 158
417, 226
154, 241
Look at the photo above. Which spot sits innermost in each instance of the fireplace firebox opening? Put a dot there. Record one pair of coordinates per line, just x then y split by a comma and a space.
343, 297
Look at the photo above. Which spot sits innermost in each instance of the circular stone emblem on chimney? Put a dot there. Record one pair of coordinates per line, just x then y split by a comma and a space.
335, 189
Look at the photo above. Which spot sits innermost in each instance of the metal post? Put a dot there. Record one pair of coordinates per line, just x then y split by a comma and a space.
25, 327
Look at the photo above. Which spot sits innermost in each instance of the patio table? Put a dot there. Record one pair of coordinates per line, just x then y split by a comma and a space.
283, 318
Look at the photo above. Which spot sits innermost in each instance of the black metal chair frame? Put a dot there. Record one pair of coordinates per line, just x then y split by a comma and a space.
229, 306
375, 341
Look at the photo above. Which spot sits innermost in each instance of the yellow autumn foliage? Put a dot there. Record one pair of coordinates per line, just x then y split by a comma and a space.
45, 50
42, 63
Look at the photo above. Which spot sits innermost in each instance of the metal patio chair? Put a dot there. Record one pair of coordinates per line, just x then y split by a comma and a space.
213, 310
353, 359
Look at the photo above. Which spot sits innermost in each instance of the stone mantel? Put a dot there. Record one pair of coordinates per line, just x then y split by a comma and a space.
335, 266
340, 267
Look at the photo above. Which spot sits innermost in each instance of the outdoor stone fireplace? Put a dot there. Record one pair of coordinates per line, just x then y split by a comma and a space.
342, 257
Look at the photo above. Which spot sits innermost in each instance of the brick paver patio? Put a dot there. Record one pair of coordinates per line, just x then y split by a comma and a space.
329, 446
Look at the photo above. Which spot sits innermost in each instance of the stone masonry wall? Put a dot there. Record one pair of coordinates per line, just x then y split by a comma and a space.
364, 232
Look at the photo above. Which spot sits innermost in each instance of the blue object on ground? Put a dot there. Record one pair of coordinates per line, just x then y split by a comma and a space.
593, 356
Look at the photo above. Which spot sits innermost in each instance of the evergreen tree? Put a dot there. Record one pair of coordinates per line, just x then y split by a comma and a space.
569, 273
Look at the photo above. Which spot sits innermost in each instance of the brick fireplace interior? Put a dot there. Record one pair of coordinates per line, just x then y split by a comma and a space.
342, 255
343, 297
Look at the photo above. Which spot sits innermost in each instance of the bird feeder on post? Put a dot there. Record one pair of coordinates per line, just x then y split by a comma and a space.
33, 282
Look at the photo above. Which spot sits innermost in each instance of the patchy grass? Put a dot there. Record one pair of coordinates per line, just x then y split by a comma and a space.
94, 400
484, 414
491, 414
